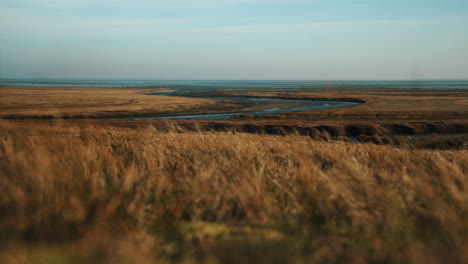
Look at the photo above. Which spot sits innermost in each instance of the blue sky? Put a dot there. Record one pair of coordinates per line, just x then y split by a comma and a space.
234, 39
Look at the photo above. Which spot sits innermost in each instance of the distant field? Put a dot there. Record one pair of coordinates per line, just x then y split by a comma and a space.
76, 193
88, 102
377, 104
380, 104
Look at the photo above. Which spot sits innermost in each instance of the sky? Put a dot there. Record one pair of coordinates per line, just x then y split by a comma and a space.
234, 39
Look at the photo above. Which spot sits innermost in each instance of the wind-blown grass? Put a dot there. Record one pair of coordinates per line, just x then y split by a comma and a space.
118, 195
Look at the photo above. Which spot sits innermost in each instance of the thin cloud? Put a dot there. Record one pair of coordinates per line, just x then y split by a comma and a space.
64, 4
308, 26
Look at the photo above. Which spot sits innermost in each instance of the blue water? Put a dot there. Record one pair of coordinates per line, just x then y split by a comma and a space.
302, 105
239, 84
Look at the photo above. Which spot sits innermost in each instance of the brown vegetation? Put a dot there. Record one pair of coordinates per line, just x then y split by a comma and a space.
150, 191
378, 104
37, 102
105, 194
314, 129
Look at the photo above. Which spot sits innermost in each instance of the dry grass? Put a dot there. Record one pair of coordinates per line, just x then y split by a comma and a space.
315, 129
382, 100
117, 195
380, 104
392, 104
86, 102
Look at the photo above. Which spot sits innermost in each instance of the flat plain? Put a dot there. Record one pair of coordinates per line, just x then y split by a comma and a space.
17, 102
289, 188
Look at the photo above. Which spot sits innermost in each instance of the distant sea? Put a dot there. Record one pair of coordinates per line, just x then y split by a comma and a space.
240, 84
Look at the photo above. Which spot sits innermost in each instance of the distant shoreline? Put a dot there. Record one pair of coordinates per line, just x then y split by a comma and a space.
241, 84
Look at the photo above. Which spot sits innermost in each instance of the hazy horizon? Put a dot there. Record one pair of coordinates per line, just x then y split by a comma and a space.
315, 40
222, 79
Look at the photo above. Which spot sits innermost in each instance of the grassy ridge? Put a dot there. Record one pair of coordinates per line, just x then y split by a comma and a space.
114, 194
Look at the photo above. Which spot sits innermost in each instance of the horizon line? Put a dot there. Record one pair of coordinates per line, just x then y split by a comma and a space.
222, 79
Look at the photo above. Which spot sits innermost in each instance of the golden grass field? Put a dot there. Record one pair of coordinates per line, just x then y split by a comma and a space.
380, 104
383, 99
108, 194
291, 189
88, 102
